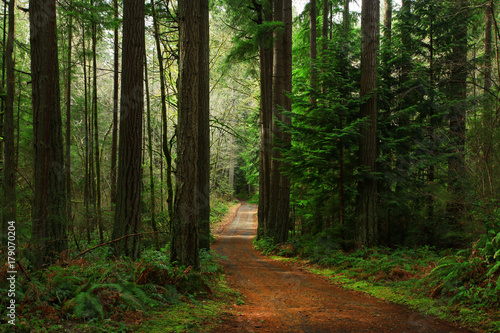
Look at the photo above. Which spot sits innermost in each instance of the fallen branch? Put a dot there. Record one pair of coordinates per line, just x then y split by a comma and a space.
116, 240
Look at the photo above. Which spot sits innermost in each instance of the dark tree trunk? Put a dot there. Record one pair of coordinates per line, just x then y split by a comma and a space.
49, 205
367, 225
204, 129
9, 166
69, 210
165, 143
313, 50
114, 135
129, 181
185, 243
283, 218
154, 226
266, 78
278, 102
97, 187
458, 96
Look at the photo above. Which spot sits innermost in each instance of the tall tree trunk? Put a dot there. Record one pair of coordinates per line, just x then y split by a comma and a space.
165, 143
283, 221
9, 167
98, 202
87, 178
129, 182
69, 210
116, 75
313, 50
204, 128
488, 105
150, 153
266, 78
49, 205
185, 244
278, 102
458, 96
367, 225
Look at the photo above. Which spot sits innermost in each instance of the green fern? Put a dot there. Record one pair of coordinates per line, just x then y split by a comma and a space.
88, 306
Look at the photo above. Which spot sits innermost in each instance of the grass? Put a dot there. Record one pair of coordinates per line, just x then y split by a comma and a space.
192, 315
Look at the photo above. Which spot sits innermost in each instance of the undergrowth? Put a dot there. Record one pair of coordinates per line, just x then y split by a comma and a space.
104, 295
451, 284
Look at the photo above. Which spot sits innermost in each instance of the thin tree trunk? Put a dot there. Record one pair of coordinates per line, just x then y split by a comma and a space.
96, 135
69, 211
86, 191
313, 50
150, 153
9, 166
204, 128
165, 143
49, 205
116, 83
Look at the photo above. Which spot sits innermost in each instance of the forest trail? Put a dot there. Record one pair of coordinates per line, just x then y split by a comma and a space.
278, 298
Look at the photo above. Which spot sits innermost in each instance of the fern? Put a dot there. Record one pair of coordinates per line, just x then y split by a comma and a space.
88, 306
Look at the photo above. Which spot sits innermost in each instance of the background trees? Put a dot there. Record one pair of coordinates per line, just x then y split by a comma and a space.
417, 177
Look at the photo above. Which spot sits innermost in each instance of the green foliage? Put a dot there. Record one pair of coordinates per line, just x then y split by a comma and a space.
104, 295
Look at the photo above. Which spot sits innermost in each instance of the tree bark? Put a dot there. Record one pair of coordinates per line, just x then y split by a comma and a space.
458, 96
367, 225
129, 182
204, 129
278, 102
69, 210
185, 243
98, 200
165, 143
283, 221
9, 166
49, 205
313, 50
116, 101
266, 78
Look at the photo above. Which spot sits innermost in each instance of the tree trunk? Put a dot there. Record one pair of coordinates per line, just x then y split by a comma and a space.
9, 167
283, 221
96, 134
49, 205
150, 153
165, 143
367, 225
458, 96
114, 138
69, 211
86, 190
313, 50
129, 182
204, 129
185, 243
278, 102
266, 65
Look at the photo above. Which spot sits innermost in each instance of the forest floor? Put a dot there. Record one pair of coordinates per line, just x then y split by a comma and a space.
281, 298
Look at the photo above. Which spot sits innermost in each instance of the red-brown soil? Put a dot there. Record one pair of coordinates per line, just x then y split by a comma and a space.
279, 298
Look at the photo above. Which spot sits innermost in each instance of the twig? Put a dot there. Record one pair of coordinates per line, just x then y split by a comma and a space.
116, 240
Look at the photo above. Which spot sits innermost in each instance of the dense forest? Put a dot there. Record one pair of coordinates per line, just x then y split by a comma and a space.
367, 134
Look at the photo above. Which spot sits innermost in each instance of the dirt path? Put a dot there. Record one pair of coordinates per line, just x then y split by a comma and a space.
284, 299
